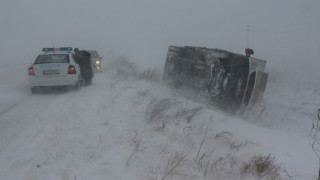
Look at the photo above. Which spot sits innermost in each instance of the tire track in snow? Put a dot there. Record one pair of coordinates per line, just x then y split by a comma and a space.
13, 105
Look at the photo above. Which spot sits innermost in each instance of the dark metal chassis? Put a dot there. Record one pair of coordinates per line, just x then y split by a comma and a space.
231, 81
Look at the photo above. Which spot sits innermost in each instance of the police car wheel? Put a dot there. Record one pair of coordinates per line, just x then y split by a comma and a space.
77, 86
34, 90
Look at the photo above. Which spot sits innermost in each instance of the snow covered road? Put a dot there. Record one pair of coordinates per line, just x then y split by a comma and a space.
111, 130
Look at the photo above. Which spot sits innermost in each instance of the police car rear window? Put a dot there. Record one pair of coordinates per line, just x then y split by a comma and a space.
52, 58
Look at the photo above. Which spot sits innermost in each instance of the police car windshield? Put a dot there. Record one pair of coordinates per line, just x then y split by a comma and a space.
52, 58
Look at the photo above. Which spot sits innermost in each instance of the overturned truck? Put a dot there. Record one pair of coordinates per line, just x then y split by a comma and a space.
231, 81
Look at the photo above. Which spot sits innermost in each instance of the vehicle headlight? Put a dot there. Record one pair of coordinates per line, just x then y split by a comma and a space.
97, 61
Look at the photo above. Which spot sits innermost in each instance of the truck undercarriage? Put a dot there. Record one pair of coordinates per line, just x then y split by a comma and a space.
230, 80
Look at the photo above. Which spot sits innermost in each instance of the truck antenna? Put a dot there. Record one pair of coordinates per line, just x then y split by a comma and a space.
248, 30
53, 46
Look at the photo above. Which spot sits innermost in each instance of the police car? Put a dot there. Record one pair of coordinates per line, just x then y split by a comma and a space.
54, 67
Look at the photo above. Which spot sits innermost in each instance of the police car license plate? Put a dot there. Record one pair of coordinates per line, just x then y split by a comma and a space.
51, 71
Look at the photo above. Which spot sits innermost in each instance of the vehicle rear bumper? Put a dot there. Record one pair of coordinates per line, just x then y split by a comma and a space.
69, 80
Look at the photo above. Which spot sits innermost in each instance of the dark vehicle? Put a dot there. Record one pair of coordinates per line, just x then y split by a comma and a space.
231, 81
96, 60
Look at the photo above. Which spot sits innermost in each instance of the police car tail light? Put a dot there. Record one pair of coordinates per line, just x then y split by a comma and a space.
31, 71
72, 70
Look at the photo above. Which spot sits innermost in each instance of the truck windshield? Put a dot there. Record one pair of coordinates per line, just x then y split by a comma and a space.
94, 54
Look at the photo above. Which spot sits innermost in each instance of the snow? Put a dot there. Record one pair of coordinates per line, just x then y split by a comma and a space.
107, 130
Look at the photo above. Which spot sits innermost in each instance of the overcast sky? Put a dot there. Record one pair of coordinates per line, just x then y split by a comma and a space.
142, 30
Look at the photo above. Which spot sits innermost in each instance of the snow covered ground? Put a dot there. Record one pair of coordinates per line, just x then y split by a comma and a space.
126, 126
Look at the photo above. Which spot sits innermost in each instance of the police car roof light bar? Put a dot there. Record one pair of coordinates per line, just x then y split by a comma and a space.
66, 49
47, 49
57, 49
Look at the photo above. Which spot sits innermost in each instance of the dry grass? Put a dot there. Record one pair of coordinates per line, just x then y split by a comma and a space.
201, 157
173, 162
187, 113
140, 96
226, 163
314, 134
156, 109
144, 93
150, 74
234, 145
192, 113
137, 148
262, 166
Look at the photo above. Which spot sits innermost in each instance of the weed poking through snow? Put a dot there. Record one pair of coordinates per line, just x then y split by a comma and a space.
261, 166
156, 109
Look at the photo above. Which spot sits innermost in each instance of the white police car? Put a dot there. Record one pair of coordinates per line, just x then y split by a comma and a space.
54, 67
